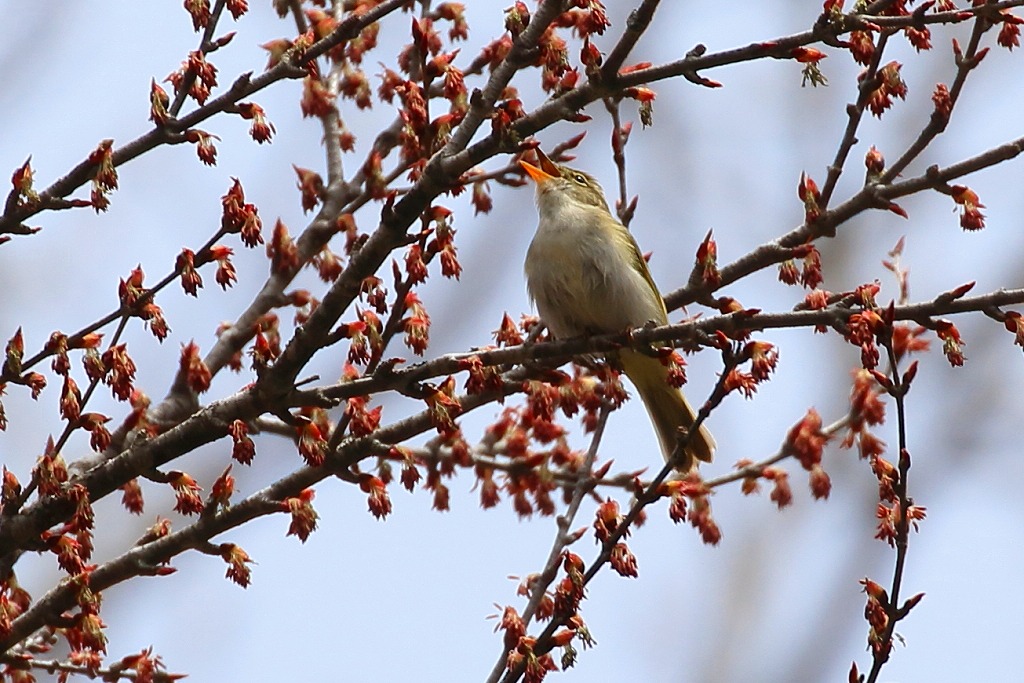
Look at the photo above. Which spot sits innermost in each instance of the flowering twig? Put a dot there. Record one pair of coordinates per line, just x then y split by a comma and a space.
907, 513
941, 114
244, 86
780, 249
649, 494
538, 584
150, 557
855, 114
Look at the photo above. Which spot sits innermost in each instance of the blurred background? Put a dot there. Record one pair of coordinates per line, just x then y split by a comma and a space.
779, 598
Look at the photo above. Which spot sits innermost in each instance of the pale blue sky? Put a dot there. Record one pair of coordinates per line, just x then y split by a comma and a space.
778, 599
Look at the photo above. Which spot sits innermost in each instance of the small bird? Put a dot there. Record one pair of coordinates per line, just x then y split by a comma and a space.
586, 275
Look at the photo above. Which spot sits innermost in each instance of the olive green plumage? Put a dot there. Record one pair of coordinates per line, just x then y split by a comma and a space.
587, 275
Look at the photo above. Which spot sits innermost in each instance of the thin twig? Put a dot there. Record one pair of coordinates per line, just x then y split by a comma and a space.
895, 613
539, 583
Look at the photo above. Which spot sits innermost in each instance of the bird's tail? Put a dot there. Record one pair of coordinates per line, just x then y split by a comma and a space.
668, 409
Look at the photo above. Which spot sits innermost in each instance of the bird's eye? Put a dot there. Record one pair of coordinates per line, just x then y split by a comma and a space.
579, 178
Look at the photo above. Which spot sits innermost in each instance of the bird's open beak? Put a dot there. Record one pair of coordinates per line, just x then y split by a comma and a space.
547, 170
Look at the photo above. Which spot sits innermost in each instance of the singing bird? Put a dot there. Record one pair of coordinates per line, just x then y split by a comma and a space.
586, 275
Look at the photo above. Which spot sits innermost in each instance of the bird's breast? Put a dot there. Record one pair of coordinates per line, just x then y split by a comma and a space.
582, 280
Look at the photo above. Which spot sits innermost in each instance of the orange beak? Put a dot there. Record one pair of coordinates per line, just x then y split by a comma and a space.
547, 170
